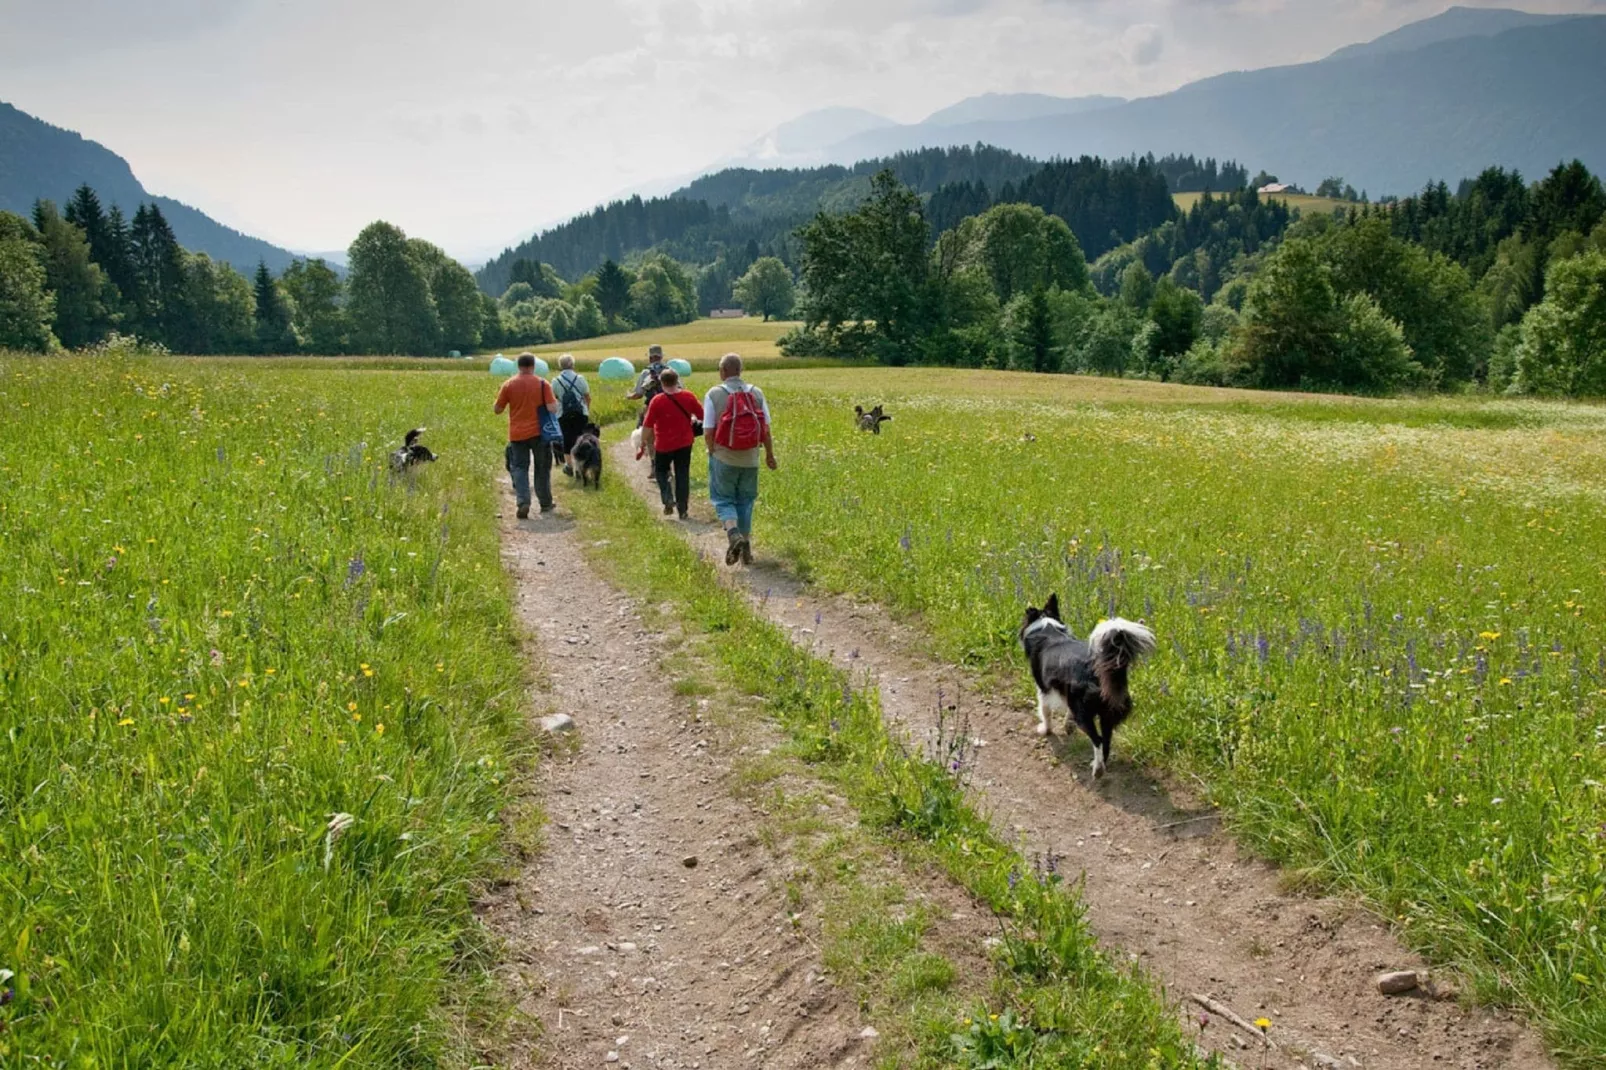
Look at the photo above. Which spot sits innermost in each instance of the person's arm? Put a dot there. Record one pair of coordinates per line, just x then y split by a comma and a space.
501, 401
654, 411
551, 406
769, 437
710, 418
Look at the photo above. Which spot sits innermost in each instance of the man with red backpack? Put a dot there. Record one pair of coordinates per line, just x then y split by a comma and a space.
736, 425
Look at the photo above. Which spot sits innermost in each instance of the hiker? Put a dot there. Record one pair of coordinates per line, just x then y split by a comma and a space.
649, 384
574, 407
736, 423
524, 396
672, 424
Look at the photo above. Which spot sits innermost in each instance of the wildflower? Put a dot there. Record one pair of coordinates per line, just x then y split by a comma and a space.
164, 700
245, 682
1262, 1024
270, 672
356, 717
1505, 680
217, 658
379, 729
125, 722
366, 671
351, 706
1489, 636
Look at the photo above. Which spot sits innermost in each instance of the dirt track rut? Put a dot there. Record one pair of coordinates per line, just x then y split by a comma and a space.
617, 945
1161, 883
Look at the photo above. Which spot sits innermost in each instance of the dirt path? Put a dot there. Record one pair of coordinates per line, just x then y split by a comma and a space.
1161, 882
629, 955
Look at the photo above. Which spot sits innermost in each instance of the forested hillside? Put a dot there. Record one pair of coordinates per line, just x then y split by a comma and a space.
39, 161
1500, 285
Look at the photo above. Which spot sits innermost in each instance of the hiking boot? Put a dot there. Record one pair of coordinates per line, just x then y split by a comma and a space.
734, 552
545, 509
524, 512
747, 549
685, 516
669, 510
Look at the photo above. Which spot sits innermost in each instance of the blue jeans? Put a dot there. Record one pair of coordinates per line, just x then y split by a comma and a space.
521, 456
733, 491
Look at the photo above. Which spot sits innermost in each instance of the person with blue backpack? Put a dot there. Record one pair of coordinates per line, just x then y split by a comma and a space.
574, 408
736, 426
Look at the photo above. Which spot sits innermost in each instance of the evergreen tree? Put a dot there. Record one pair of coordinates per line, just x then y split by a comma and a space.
613, 290
159, 270
117, 261
275, 328
82, 290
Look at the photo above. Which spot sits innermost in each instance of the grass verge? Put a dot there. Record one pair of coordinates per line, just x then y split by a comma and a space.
259, 701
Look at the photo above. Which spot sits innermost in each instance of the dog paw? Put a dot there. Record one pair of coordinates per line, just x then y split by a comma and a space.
1043, 729
1098, 766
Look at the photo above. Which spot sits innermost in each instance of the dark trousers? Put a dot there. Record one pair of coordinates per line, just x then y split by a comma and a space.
680, 461
521, 458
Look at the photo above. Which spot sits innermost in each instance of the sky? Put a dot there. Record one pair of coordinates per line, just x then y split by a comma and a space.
473, 123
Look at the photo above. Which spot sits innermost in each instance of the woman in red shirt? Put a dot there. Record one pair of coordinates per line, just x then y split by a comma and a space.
672, 425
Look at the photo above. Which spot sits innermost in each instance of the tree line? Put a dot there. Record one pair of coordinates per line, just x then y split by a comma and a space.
81, 277
1500, 286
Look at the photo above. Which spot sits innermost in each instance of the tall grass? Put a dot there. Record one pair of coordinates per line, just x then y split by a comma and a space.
258, 703
1381, 635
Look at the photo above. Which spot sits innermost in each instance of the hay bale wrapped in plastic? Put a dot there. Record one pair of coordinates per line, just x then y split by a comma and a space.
682, 367
502, 366
616, 369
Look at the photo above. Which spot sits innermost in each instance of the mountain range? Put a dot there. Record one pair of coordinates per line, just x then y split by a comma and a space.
1438, 99
39, 161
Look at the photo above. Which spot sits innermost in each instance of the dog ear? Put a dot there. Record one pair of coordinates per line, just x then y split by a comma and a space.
858, 410
1032, 615
1051, 609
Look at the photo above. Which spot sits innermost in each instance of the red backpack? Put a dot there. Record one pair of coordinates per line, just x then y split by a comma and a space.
741, 425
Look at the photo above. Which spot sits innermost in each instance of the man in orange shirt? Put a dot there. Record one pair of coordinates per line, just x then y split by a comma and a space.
523, 397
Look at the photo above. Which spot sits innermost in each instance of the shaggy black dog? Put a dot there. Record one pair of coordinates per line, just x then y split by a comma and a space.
588, 457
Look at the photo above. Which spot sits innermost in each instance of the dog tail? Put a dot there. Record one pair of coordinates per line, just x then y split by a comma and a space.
1117, 645
412, 436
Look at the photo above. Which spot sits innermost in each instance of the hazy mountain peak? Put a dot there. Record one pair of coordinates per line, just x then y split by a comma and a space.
815, 130
1454, 23
993, 107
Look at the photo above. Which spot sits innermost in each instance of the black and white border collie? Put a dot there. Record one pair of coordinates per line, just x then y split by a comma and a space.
411, 453
1084, 681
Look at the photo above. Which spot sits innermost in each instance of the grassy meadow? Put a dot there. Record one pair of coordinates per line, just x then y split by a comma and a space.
1305, 202
1381, 641
261, 702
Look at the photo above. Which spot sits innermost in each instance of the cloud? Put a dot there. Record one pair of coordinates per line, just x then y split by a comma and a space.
1143, 43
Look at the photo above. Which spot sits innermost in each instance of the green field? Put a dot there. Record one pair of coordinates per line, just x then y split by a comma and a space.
1303, 201
699, 340
222, 623
1381, 640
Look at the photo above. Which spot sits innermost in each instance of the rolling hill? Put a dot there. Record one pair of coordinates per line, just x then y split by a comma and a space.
1442, 98
39, 161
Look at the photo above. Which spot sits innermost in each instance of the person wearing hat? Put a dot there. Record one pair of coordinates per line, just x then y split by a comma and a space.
649, 384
